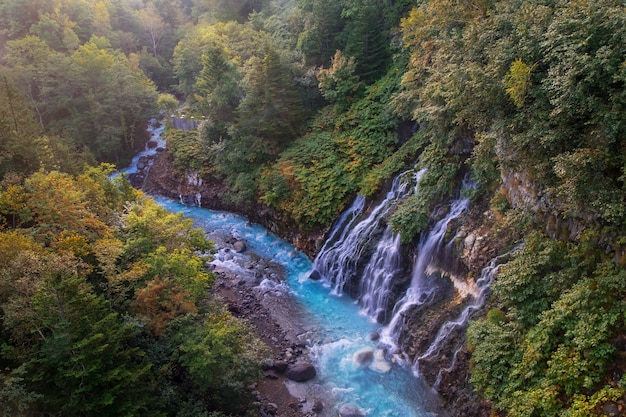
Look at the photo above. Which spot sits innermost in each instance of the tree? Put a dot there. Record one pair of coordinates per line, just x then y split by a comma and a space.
366, 40
167, 103
320, 37
218, 90
222, 356
86, 358
270, 108
153, 25
340, 83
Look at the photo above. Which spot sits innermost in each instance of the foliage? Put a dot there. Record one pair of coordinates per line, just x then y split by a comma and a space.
516, 81
95, 280
563, 309
339, 84
314, 178
223, 356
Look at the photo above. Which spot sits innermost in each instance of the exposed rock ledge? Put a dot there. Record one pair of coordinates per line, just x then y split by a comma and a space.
162, 179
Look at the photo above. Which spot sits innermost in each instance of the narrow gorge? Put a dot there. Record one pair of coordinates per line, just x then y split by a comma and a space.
415, 300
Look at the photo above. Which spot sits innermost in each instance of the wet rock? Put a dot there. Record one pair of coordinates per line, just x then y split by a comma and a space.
350, 410
363, 357
239, 246
318, 406
271, 374
374, 336
271, 408
315, 275
300, 371
280, 366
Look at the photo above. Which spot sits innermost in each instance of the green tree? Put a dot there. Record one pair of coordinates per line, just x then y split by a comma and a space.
339, 84
218, 90
320, 37
366, 39
86, 361
270, 109
222, 355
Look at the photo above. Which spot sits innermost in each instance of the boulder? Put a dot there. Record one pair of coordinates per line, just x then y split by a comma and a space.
239, 246
363, 357
300, 371
380, 363
350, 410
315, 275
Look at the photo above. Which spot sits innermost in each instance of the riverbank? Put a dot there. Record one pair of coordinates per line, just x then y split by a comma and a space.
255, 294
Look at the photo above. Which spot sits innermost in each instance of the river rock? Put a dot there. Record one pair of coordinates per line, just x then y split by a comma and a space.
350, 410
300, 371
280, 366
363, 357
315, 275
239, 246
318, 406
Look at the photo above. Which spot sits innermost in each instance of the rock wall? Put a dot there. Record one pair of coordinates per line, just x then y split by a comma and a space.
163, 179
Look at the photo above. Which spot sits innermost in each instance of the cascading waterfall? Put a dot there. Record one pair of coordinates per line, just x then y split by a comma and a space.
422, 289
378, 276
476, 302
337, 260
335, 331
383, 267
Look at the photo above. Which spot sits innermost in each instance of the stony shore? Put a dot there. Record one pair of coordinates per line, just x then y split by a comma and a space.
254, 293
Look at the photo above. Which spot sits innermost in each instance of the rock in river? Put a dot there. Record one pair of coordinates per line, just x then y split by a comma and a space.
300, 371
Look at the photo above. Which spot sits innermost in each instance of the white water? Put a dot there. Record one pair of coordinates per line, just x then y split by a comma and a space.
336, 329
337, 260
155, 128
477, 301
378, 276
422, 287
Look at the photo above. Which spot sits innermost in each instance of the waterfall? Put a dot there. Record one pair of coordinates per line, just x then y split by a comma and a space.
338, 259
422, 288
378, 276
477, 301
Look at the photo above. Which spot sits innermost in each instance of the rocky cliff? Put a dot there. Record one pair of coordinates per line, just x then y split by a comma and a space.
160, 178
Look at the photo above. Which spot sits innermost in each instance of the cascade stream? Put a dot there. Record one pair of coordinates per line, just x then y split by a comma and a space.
361, 257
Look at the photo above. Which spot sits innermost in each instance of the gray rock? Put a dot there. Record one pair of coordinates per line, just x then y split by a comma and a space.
271, 408
315, 275
300, 371
350, 410
239, 246
363, 357
318, 406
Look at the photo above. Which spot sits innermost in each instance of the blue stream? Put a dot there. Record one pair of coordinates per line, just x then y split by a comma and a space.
396, 393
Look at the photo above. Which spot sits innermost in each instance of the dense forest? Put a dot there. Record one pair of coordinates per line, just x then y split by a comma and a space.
304, 104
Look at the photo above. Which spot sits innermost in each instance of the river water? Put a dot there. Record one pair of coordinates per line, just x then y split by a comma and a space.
381, 388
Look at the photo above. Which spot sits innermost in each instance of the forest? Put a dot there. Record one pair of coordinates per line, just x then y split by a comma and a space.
104, 301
